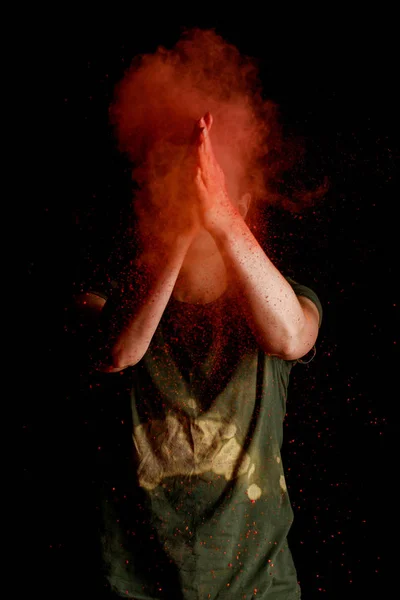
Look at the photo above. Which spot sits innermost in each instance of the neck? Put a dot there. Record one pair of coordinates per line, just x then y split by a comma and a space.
201, 281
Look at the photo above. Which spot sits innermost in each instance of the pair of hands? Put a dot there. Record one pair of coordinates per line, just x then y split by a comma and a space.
194, 194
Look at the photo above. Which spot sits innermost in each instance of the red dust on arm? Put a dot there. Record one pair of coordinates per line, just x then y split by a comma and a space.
129, 320
283, 325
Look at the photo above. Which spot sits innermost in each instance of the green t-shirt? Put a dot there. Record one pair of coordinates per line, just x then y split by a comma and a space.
195, 506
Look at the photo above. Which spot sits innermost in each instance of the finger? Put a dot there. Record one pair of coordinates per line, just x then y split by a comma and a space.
199, 139
208, 120
191, 152
206, 152
198, 130
205, 124
200, 181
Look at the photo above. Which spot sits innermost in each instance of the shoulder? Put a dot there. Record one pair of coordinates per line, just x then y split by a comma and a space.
93, 295
87, 306
89, 300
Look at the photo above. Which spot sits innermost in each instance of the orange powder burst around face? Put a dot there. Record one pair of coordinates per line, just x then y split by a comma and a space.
162, 95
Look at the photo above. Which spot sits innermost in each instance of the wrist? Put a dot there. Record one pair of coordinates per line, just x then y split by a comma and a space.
222, 218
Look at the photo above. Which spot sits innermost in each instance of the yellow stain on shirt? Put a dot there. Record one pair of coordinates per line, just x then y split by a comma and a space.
172, 447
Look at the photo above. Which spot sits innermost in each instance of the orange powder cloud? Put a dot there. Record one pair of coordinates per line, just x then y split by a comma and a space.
162, 95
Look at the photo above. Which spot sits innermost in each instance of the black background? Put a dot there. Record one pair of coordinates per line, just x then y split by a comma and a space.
334, 79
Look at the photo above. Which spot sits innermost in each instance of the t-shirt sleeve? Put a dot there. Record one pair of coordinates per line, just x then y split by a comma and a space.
303, 290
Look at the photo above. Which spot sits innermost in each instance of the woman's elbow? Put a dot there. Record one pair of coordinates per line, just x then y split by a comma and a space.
121, 359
